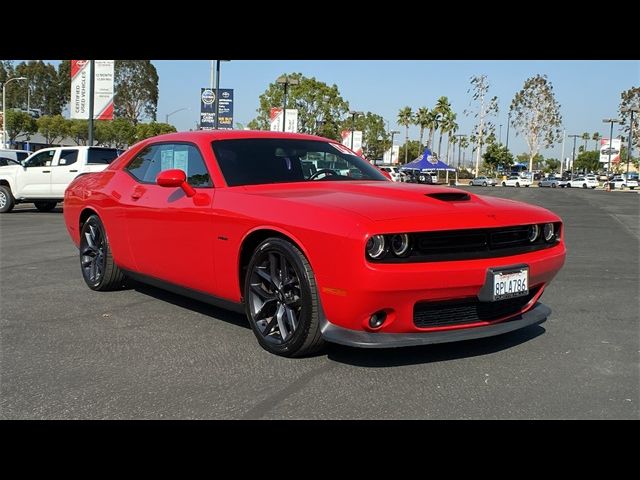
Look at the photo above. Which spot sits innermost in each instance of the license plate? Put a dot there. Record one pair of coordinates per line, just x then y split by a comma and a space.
510, 284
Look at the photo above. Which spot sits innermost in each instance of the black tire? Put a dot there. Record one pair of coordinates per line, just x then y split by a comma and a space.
7, 202
99, 271
554, 185
584, 185
45, 206
623, 186
504, 184
518, 184
295, 296
484, 184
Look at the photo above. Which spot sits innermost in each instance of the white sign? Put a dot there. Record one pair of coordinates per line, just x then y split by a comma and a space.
103, 89
356, 146
388, 158
605, 149
291, 119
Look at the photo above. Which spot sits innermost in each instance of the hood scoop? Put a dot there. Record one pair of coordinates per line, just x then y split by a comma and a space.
450, 196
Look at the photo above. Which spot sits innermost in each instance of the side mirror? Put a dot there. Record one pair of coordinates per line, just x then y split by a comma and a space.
174, 178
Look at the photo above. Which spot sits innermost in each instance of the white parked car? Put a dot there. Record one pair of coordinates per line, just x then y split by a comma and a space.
483, 182
589, 181
393, 171
516, 181
621, 182
44, 176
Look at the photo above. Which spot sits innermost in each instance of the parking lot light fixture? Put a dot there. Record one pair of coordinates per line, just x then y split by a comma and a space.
4, 109
573, 154
286, 80
611, 121
353, 114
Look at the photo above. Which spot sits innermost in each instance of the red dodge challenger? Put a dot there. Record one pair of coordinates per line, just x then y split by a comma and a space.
312, 242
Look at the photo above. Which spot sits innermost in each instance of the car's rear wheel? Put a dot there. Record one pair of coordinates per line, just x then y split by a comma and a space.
45, 206
281, 299
96, 262
554, 185
7, 201
584, 185
504, 184
518, 184
484, 184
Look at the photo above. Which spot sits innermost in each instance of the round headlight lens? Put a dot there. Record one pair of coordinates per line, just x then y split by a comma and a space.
375, 246
400, 244
548, 232
534, 230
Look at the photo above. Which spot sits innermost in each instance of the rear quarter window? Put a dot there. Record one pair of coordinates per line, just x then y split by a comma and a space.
102, 156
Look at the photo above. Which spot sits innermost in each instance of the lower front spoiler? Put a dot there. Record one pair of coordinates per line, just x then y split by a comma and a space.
357, 338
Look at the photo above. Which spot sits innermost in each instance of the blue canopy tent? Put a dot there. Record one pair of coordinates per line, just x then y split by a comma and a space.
427, 162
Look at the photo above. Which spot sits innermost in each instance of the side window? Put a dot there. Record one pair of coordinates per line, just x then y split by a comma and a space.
42, 159
22, 155
68, 157
156, 158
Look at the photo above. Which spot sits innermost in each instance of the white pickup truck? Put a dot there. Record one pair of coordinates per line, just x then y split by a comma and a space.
43, 177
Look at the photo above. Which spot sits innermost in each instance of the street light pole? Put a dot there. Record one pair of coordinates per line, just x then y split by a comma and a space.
286, 81
573, 154
630, 147
392, 132
216, 106
353, 114
500, 136
611, 121
166, 117
508, 123
4, 109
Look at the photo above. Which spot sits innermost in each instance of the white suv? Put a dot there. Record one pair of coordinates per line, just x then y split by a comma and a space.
584, 182
393, 171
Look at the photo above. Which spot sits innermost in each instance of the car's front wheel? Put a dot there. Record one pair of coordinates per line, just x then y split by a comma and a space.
45, 206
281, 299
518, 184
504, 184
96, 262
484, 184
6, 199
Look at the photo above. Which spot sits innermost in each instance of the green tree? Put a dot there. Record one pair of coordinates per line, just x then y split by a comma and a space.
124, 132
147, 130
497, 156
41, 90
443, 108
433, 123
404, 119
320, 106
596, 139
536, 115
103, 132
53, 128
537, 162
588, 161
630, 99
483, 108
421, 119
449, 127
411, 150
79, 131
64, 81
19, 124
586, 137
374, 137
551, 165
136, 90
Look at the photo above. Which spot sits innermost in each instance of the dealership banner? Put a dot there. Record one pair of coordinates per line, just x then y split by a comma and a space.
208, 109
615, 150
291, 119
103, 91
357, 140
389, 158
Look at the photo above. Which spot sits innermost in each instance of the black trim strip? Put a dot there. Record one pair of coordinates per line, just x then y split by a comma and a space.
187, 292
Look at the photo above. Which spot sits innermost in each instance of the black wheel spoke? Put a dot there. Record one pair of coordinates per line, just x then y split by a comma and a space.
283, 270
261, 313
261, 271
260, 292
291, 318
284, 332
267, 330
272, 270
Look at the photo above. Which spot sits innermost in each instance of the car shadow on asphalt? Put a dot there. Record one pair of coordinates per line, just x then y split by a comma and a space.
185, 302
441, 352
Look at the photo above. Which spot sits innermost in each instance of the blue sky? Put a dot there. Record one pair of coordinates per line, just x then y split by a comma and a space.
587, 91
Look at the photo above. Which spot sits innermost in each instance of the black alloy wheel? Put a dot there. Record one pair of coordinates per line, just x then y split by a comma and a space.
98, 268
281, 299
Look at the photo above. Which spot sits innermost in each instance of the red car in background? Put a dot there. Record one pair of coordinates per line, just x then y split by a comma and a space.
312, 242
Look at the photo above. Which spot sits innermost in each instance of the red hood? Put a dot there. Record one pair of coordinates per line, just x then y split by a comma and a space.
395, 203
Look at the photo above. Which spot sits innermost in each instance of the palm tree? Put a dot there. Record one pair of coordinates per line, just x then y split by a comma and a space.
464, 143
404, 119
450, 126
421, 119
432, 124
596, 138
585, 137
443, 107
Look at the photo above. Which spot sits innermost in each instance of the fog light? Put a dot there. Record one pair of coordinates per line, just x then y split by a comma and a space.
534, 230
548, 232
375, 246
377, 319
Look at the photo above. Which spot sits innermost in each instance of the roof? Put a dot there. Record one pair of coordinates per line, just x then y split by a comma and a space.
236, 134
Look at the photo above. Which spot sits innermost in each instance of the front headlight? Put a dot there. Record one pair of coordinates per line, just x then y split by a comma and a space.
548, 232
375, 246
400, 244
534, 230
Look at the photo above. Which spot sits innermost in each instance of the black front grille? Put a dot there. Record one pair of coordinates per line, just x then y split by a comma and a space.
457, 312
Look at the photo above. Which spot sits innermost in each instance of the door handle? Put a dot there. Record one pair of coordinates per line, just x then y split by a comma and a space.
73, 171
46, 171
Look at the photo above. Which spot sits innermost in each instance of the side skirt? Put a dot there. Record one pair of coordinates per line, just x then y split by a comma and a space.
187, 292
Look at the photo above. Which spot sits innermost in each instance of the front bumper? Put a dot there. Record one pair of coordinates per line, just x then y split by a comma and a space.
355, 338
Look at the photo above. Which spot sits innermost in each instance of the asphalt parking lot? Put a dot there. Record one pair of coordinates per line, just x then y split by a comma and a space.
67, 352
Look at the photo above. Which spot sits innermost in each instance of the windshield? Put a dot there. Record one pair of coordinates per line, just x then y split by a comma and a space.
253, 161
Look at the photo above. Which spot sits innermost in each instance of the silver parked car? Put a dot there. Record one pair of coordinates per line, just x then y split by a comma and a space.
483, 182
551, 181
